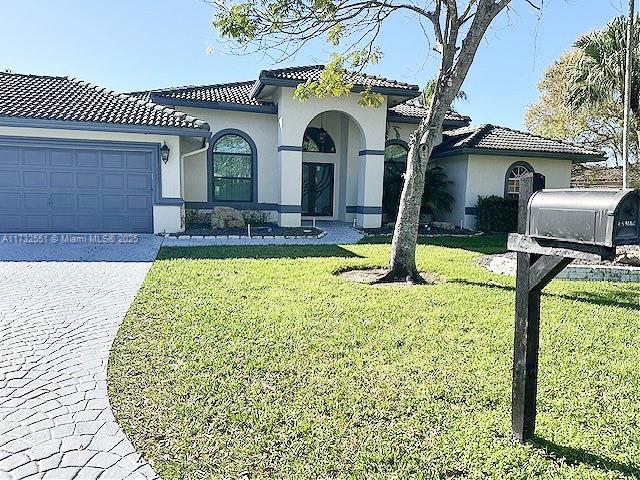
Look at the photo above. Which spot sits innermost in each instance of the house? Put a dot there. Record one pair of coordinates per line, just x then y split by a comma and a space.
75, 157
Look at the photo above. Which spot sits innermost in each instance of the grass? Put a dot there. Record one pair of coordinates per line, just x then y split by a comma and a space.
258, 362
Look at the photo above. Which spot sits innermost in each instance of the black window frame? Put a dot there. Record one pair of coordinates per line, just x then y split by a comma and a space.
310, 133
253, 161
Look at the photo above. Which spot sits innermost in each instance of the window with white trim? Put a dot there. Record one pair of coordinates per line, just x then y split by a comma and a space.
514, 174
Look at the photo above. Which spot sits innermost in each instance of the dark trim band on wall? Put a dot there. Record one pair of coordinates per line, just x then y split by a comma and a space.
274, 207
371, 152
230, 106
364, 210
290, 208
103, 127
470, 210
169, 202
289, 148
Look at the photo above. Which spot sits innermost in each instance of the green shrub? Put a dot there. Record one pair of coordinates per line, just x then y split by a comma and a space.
256, 217
497, 214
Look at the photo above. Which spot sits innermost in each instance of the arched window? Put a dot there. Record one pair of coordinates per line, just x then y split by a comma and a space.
514, 173
395, 164
317, 139
233, 160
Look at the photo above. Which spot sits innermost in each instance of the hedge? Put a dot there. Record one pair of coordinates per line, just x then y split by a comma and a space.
497, 214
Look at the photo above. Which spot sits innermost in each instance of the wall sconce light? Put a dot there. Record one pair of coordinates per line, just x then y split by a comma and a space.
164, 152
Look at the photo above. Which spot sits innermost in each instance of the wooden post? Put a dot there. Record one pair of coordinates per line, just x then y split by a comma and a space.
527, 326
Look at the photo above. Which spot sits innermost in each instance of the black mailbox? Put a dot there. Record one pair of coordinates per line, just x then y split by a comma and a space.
604, 217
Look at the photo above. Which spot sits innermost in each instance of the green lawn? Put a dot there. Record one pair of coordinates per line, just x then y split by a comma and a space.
258, 362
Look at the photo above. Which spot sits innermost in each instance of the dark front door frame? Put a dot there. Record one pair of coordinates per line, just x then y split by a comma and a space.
331, 167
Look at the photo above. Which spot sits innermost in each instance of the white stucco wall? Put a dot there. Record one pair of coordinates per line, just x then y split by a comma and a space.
262, 128
168, 218
456, 169
403, 131
486, 176
294, 116
400, 131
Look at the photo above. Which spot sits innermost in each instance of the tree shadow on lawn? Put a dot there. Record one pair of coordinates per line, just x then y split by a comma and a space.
623, 299
576, 456
486, 244
256, 252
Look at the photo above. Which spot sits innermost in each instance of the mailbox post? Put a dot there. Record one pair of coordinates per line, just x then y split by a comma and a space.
555, 227
533, 272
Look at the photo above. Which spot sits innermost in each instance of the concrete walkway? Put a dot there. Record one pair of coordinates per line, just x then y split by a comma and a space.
60, 308
338, 233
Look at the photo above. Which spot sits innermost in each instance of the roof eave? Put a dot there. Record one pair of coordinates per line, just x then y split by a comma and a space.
582, 158
285, 82
239, 107
416, 120
26, 122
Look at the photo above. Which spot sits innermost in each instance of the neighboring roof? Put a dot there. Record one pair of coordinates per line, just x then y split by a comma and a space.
39, 97
491, 139
407, 112
602, 176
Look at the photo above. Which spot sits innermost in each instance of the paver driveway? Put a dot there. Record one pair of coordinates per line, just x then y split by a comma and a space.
60, 308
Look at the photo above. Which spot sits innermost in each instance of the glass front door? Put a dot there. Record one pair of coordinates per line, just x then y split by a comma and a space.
317, 189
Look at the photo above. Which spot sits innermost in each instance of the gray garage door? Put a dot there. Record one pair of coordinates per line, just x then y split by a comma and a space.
75, 187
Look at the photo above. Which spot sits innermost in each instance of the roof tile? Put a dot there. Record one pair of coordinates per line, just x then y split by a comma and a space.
63, 98
409, 110
491, 137
312, 72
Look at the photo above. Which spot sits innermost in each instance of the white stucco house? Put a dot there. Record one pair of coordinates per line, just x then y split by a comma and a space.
78, 158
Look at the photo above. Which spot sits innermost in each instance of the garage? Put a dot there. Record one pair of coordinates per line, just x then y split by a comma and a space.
79, 158
76, 186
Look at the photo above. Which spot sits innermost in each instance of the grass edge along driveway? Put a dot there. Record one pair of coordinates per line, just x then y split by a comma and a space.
258, 362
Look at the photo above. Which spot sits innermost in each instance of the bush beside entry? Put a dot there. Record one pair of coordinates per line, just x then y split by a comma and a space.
497, 214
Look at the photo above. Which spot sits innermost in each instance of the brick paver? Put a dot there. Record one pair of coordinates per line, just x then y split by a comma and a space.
60, 308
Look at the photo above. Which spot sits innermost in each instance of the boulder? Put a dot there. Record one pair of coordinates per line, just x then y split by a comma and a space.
226, 217
628, 255
443, 225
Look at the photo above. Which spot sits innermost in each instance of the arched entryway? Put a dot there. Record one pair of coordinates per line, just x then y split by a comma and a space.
331, 146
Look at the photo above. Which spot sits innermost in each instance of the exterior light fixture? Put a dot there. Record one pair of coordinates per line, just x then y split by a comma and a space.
164, 152
322, 136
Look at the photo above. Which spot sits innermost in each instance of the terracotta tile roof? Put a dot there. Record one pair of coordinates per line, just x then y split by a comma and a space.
312, 72
68, 99
409, 111
491, 138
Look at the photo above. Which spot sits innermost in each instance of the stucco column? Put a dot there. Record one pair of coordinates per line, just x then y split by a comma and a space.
370, 180
290, 200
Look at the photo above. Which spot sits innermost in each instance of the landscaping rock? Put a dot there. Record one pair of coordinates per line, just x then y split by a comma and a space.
226, 217
444, 225
628, 256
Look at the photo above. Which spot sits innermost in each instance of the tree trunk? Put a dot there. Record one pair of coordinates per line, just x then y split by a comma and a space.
454, 66
402, 266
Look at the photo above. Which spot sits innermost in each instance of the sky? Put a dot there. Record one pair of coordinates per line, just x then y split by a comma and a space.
129, 45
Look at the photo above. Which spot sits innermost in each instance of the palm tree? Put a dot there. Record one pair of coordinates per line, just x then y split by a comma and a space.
436, 194
597, 75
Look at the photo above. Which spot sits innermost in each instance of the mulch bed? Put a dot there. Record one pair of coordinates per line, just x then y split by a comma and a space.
269, 229
373, 275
